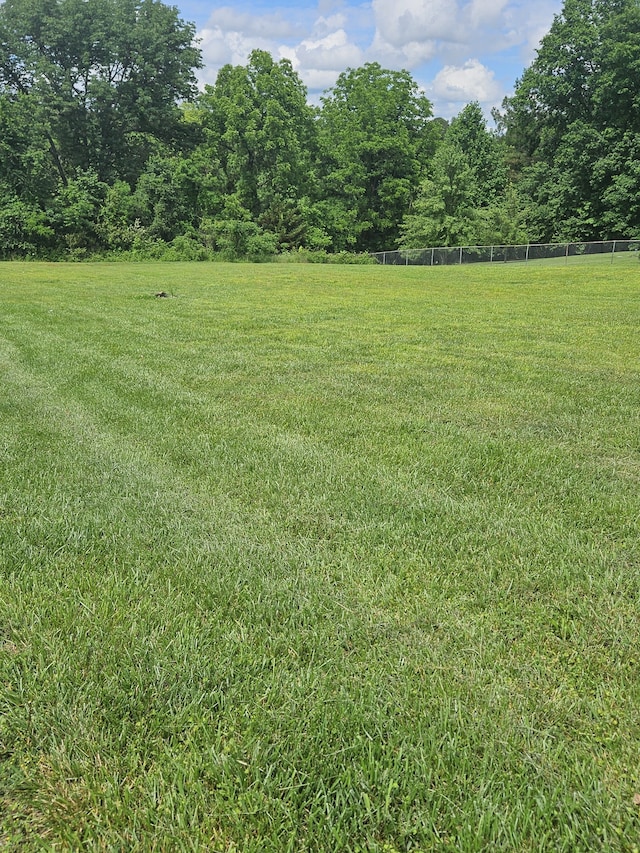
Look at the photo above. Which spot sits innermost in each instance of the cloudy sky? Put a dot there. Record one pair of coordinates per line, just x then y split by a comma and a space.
456, 50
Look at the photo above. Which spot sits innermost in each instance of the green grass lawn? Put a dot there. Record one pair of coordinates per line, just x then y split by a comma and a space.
317, 558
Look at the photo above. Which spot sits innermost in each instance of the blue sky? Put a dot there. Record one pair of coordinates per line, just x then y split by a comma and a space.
456, 50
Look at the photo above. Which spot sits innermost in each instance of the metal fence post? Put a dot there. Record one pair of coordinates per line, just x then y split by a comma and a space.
432, 251
613, 250
460, 256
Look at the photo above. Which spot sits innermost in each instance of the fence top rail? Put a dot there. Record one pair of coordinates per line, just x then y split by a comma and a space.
556, 244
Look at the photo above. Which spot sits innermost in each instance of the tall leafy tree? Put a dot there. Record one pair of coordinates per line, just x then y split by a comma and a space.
376, 138
466, 197
175, 193
483, 151
261, 133
27, 180
444, 212
105, 78
25, 166
75, 211
575, 121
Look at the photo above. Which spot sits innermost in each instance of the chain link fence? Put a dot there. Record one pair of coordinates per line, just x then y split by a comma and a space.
556, 252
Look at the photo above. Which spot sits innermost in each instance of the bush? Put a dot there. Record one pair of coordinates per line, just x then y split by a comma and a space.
188, 248
351, 258
24, 230
320, 256
239, 239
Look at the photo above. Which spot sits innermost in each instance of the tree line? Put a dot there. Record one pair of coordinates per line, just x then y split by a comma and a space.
108, 148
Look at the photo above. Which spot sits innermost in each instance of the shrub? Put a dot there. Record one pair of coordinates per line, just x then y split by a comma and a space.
24, 229
320, 256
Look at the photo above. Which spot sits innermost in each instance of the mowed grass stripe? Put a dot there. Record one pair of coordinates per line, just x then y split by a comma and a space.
319, 558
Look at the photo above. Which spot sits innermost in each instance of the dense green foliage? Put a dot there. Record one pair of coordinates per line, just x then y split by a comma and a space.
107, 148
375, 141
101, 78
465, 199
575, 121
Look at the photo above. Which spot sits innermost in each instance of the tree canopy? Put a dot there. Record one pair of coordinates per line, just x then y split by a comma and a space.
575, 119
106, 145
103, 78
260, 130
375, 139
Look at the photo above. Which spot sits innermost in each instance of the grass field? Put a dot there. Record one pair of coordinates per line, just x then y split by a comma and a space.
319, 558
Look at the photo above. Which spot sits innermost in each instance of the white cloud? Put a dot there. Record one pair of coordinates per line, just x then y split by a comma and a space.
415, 31
267, 26
401, 22
412, 32
230, 35
324, 26
319, 61
318, 81
220, 47
409, 55
525, 24
215, 47
538, 26
333, 52
480, 13
470, 82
